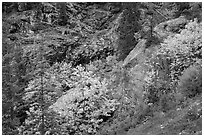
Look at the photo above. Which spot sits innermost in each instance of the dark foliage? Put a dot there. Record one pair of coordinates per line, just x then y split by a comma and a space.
191, 81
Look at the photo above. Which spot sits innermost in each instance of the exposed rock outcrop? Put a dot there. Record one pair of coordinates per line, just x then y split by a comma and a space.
139, 48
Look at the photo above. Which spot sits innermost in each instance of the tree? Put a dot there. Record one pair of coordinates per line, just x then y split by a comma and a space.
129, 24
12, 86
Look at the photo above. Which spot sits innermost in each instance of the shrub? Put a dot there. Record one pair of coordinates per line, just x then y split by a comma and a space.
87, 104
78, 97
170, 68
190, 83
182, 50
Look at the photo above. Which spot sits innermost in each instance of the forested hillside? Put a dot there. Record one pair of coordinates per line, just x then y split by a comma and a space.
108, 68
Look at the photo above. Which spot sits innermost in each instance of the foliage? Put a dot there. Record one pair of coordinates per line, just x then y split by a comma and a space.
171, 70
40, 93
190, 83
86, 104
129, 24
63, 72
183, 50
12, 87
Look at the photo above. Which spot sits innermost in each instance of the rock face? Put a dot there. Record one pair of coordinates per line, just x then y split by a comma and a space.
170, 27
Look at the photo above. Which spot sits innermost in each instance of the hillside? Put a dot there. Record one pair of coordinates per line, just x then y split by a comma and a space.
87, 68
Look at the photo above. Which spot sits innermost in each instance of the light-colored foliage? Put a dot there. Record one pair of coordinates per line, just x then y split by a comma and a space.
87, 103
